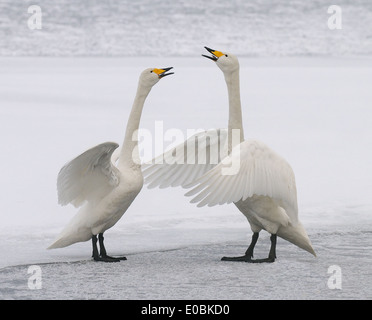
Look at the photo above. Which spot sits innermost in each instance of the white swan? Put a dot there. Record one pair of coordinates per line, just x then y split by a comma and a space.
263, 188
104, 191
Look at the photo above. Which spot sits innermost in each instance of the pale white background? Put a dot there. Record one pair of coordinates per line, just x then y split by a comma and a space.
305, 92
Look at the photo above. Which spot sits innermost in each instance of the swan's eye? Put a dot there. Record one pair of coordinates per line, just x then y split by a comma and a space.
226, 55
151, 71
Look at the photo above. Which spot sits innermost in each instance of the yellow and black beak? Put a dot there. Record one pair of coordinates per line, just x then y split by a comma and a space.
215, 54
162, 72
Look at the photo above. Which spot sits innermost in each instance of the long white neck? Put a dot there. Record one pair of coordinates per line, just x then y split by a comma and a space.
129, 155
235, 109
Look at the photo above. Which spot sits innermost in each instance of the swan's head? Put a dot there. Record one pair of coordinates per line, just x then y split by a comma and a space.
227, 62
151, 76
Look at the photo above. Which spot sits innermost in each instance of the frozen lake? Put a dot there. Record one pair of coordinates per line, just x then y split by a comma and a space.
142, 28
195, 272
315, 112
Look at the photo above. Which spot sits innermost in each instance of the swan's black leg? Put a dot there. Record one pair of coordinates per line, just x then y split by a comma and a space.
248, 254
95, 254
103, 253
250, 249
272, 252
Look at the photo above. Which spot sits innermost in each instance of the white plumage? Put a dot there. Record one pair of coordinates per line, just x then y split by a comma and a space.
252, 176
261, 172
102, 189
89, 176
188, 161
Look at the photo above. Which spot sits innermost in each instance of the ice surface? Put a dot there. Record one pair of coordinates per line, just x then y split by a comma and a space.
180, 28
314, 112
196, 272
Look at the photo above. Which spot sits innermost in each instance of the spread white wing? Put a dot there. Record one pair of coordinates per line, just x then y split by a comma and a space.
89, 176
251, 169
188, 161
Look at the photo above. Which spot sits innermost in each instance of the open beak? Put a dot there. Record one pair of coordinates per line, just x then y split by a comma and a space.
215, 54
162, 72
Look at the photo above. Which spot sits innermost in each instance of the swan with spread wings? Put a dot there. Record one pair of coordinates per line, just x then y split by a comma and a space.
263, 188
103, 190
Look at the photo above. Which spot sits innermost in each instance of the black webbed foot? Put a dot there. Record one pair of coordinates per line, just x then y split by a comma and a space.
248, 259
114, 258
105, 259
103, 255
249, 253
244, 258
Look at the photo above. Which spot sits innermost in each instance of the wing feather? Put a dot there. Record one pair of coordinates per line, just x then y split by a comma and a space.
188, 161
89, 176
261, 172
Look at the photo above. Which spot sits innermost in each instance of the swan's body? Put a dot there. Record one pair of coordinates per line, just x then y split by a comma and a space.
263, 187
103, 190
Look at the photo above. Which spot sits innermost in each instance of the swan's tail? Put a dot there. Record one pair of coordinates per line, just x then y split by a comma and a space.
61, 243
297, 235
65, 240
71, 234
75, 231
